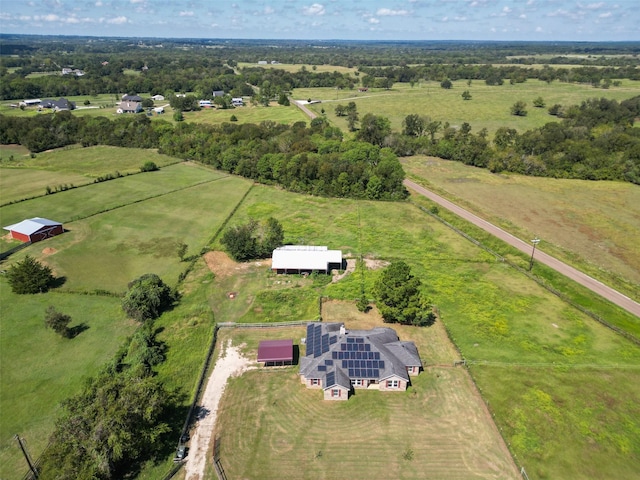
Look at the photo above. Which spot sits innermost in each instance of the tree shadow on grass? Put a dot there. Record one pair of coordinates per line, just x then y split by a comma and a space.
77, 330
57, 282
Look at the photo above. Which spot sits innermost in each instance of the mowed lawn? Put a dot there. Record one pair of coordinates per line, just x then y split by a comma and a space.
248, 114
270, 426
596, 224
39, 369
28, 177
489, 107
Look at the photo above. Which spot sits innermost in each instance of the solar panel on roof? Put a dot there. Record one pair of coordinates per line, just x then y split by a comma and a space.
376, 355
343, 346
350, 363
359, 340
359, 355
352, 372
334, 355
331, 378
361, 347
333, 339
357, 372
369, 364
367, 347
328, 362
376, 373
381, 363
351, 340
322, 368
345, 363
369, 372
352, 355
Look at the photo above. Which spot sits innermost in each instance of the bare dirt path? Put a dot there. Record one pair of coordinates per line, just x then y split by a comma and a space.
591, 283
230, 363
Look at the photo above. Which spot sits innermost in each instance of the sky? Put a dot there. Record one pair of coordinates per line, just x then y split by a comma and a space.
501, 20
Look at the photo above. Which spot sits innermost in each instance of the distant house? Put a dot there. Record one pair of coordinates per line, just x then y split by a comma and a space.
66, 71
305, 259
157, 98
57, 105
129, 107
262, 62
131, 98
218, 93
339, 361
275, 352
204, 103
72, 71
237, 102
35, 229
159, 110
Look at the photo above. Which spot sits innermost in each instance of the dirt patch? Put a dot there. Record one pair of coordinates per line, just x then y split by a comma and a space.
49, 251
351, 267
224, 266
373, 264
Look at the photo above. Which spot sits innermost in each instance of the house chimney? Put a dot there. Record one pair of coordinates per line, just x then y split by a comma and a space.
343, 331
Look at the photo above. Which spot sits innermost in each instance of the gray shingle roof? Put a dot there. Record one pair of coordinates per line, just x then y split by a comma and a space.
365, 354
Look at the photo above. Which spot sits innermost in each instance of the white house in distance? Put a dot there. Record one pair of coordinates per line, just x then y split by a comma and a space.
305, 259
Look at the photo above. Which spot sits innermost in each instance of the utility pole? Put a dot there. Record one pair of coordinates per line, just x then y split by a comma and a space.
535, 242
32, 467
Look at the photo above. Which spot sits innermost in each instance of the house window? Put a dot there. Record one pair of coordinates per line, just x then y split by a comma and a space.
315, 381
335, 393
357, 382
393, 383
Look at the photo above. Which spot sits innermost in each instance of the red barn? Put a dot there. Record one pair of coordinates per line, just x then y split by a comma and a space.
35, 229
275, 352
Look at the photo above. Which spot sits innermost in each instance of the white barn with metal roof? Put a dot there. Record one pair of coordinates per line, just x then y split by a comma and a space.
305, 258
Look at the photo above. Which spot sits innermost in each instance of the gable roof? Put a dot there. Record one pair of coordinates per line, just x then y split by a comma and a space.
31, 225
61, 104
304, 257
366, 354
275, 350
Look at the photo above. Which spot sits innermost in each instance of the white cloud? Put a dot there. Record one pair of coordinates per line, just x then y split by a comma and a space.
137, 1
186, 14
98, 3
268, 11
316, 9
539, 29
605, 15
374, 20
117, 20
387, 12
591, 6
523, 16
506, 10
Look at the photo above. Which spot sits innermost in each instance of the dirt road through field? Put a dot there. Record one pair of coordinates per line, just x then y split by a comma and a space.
230, 363
591, 283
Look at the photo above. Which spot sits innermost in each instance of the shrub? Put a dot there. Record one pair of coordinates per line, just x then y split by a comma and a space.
149, 167
147, 297
57, 321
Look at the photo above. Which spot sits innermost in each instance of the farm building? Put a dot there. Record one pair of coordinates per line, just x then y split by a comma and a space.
338, 360
35, 229
129, 107
275, 352
305, 259
57, 105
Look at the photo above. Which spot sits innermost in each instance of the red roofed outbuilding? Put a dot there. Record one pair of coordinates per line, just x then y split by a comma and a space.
276, 352
35, 229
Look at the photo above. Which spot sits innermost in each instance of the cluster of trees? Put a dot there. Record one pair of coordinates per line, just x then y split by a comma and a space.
399, 299
253, 239
305, 159
121, 419
147, 297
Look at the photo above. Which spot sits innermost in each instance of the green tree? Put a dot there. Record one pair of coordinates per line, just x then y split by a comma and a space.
149, 166
273, 236
446, 84
414, 125
147, 297
57, 321
539, 102
399, 299
519, 109
466, 95
181, 250
178, 116
240, 241
29, 276
374, 129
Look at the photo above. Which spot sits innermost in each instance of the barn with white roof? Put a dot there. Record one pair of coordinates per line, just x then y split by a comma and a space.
35, 229
306, 259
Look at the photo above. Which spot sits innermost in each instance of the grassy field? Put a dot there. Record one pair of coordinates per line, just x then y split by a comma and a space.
594, 225
248, 114
39, 369
26, 177
289, 67
270, 426
489, 107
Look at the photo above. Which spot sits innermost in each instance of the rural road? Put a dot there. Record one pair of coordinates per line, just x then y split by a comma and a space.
591, 283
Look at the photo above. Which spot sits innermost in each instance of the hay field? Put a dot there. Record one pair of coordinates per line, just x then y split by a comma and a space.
593, 225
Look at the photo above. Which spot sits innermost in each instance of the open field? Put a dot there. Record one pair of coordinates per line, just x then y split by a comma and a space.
15, 151
270, 426
248, 114
289, 67
39, 369
489, 108
25, 177
594, 225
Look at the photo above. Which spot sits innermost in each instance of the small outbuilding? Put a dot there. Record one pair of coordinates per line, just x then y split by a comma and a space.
275, 352
35, 229
306, 259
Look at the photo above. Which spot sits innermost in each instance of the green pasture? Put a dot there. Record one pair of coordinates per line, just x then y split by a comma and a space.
39, 369
248, 114
495, 314
593, 225
293, 68
9, 153
489, 107
27, 177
